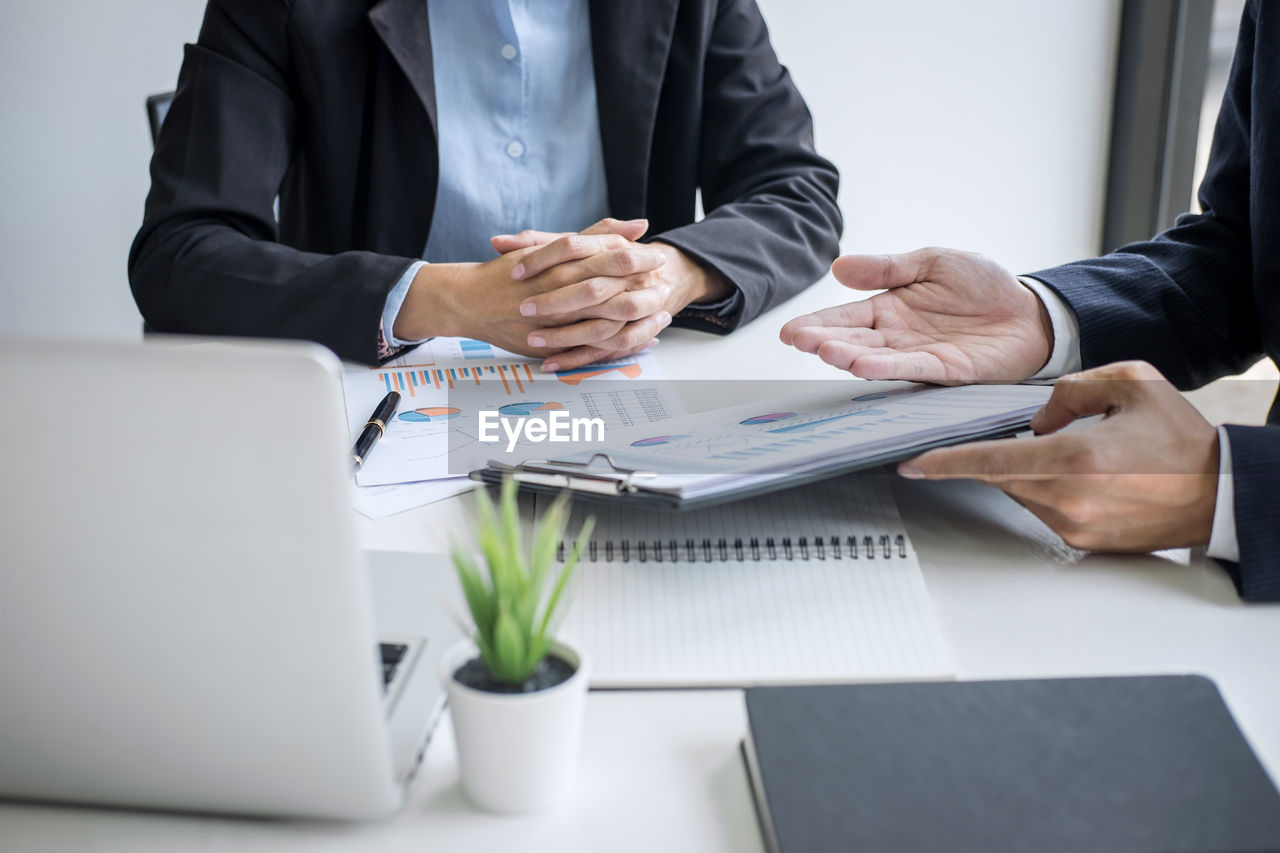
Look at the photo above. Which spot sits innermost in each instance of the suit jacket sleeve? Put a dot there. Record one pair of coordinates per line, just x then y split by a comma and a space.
1255, 463
207, 259
772, 224
1182, 300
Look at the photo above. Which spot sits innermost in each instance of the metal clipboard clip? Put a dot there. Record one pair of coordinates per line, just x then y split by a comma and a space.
608, 479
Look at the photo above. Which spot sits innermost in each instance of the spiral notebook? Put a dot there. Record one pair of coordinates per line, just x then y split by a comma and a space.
816, 584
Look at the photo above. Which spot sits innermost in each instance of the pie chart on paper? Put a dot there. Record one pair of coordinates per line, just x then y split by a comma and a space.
528, 407
658, 440
772, 417
430, 415
629, 369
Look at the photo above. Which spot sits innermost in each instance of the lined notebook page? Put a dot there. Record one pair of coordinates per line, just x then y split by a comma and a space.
740, 618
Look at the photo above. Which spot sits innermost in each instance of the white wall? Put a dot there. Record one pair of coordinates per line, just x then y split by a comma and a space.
74, 152
980, 124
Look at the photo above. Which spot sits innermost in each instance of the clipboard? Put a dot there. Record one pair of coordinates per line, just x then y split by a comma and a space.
601, 479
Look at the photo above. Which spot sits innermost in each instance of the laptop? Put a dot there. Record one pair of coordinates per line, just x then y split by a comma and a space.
187, 620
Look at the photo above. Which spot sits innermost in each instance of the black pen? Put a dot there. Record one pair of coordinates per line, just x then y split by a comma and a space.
374, 428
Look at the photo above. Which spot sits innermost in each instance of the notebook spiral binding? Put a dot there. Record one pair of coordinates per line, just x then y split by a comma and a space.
885, 547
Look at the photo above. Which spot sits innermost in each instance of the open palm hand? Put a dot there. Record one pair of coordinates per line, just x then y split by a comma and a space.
946, 317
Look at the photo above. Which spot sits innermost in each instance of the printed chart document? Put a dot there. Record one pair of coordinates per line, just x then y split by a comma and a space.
446, 383
814, 584
733, 452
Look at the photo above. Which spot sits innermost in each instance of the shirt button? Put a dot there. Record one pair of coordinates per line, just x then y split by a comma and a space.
514, 148
508, 51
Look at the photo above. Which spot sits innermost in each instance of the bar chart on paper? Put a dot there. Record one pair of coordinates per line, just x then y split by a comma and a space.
611, 370
470, 349
446, 383
451, 352
514, 379
449, 363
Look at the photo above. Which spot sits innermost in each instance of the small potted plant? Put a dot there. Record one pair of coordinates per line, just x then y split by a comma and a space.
516, 694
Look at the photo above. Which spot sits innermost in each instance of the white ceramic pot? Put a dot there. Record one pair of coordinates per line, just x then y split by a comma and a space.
518, 752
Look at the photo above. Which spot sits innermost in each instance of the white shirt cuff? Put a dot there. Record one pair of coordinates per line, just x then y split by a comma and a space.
1065, 357
395, 299
1223, 543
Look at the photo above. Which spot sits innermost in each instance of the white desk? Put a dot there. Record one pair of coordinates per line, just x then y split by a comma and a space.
660, 770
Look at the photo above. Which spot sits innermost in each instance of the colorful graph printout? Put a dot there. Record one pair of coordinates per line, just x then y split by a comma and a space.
629, 369
773, 417
475, 349
431, 414
528, 407
514, 378
659, 439
446, 383
814, 424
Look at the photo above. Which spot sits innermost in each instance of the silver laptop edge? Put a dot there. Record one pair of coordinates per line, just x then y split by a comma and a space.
186, 618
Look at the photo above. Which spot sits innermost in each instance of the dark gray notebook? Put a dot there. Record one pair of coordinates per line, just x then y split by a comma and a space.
1081, 764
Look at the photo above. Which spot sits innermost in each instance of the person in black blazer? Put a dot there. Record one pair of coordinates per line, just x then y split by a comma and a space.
1199, 301
331, 106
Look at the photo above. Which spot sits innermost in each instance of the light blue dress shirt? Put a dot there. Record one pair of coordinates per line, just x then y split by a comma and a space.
518, 128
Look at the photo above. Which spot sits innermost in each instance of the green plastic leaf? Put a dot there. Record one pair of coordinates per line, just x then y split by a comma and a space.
508, 648
474, 588
491, 544
514, 612
484, 507
547, 533
509, 507
552, 616
538, 649
486, 652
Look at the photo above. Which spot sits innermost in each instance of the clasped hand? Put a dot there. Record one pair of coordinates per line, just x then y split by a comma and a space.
589, 296
572, 299
596, 295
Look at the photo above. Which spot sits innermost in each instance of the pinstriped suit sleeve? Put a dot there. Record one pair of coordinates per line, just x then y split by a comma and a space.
1191, 300
1255, 467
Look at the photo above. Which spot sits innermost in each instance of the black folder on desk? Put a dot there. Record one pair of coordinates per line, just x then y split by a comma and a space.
1091, 764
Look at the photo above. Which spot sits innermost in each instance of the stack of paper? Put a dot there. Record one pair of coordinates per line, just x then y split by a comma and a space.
731, 452
444, 384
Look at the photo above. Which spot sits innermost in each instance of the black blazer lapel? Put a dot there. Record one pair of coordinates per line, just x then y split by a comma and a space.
402, 26
400, 162
630, 40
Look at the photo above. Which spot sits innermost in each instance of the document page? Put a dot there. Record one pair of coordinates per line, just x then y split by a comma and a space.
764, 445
782, 433
446, 384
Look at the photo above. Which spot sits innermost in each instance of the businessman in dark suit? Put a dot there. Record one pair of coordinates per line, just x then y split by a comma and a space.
404, 131
1199, 301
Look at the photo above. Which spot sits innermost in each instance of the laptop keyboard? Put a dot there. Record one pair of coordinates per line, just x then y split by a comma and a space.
393, 655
